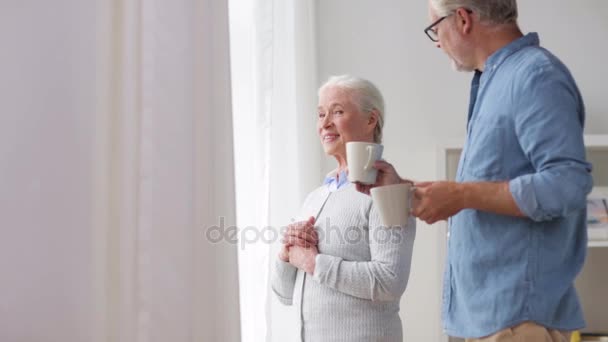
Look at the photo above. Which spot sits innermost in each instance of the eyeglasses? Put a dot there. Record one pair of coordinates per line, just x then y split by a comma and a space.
432, 32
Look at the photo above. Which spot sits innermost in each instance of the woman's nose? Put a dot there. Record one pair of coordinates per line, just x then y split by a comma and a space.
438, 45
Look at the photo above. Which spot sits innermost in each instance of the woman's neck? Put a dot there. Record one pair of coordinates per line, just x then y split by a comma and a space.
342, 166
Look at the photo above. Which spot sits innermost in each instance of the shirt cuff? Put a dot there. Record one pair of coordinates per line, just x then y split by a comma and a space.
523, 192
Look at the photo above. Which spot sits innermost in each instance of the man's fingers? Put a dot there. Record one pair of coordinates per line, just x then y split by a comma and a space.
362, 188
419, 193
422, 184
416, 212
383, 165
428, 216
431, 220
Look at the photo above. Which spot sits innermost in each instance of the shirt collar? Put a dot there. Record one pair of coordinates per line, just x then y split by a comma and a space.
334, 180
531, 39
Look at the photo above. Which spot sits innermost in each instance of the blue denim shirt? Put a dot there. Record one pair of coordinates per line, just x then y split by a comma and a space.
525, 126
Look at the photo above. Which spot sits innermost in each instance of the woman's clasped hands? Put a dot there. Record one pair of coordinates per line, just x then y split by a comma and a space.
299, 247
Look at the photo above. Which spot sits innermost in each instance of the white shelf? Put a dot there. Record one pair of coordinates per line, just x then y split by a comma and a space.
599, 141
597, 243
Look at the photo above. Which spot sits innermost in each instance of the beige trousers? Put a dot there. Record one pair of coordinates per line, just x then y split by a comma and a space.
526, 332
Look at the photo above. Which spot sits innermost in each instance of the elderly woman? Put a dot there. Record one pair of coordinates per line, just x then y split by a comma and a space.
342, 268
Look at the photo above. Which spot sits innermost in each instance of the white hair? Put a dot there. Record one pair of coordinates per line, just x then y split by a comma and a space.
366, 97
498, 12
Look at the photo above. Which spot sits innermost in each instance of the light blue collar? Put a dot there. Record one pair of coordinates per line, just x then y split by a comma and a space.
335, 180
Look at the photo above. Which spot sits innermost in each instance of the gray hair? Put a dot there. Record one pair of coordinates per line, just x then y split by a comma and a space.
497, 12
366, 97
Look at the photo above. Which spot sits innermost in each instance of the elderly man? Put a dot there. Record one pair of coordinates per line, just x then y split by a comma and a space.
516, 212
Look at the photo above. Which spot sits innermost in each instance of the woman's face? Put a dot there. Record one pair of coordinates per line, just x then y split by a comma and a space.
341, 121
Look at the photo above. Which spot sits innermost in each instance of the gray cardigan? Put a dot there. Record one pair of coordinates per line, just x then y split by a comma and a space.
361, 271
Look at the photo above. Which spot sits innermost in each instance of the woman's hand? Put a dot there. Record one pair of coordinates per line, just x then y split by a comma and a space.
303, 258
302, 234
284, 253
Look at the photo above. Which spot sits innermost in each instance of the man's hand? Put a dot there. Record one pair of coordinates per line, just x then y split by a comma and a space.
301, 234
387, 175
303, 258
436, 201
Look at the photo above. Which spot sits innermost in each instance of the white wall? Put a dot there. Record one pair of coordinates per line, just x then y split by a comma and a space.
47, 99
427, 102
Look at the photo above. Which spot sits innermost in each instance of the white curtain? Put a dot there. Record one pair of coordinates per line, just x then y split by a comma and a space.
277, 153
164, 173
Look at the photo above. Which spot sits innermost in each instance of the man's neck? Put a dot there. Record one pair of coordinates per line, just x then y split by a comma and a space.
494, 39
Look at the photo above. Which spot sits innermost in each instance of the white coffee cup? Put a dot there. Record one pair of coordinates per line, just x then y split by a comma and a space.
394, 203
360, 157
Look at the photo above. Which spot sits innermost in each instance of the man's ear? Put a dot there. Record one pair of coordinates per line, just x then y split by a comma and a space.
465, 20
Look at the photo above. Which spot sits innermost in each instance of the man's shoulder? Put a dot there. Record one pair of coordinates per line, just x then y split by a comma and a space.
532, 66
534, 60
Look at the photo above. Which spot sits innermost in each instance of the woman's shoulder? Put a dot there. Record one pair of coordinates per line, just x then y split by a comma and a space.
350, 190
346, 194
348, 198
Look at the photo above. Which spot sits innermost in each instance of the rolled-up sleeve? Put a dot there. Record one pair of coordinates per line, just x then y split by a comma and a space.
385, 277
549, 122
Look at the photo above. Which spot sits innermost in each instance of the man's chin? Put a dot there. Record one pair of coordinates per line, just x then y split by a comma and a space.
459, 67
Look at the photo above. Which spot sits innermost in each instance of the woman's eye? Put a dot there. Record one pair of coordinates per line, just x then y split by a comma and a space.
321, 115
339, 112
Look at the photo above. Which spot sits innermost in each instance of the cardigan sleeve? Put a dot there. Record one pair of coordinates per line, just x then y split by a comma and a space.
283, 274
385, 276
283, 281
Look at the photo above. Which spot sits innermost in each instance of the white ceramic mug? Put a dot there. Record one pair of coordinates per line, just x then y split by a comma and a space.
394, 203
360, 157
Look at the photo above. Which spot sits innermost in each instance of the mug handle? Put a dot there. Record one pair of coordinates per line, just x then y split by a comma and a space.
370, 153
